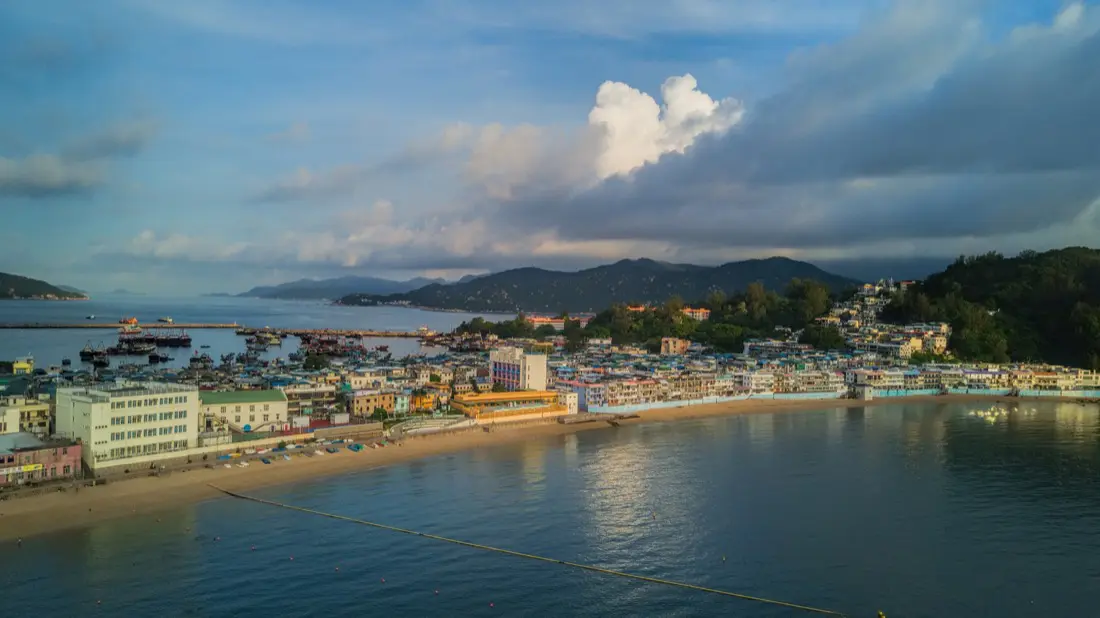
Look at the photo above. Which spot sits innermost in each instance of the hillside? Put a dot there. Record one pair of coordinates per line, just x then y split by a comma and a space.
1036, 306
313, 289
594, 289
16, 287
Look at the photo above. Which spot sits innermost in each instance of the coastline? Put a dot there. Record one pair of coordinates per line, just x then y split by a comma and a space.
57, 511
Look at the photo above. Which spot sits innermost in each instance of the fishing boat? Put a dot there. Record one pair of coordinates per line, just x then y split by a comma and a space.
165, 320
66, 362
101, 361
89, 317
130, 320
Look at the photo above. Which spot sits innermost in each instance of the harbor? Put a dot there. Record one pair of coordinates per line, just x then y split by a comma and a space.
241, 330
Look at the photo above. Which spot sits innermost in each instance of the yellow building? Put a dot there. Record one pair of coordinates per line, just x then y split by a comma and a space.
23, 366
509, 406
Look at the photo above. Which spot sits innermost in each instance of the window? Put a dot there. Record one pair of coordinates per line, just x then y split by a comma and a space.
237, 409
265, 407
237, 419
266, 418
252, 418
67, 470
223, 409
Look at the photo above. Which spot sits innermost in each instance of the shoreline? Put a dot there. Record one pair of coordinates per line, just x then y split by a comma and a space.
57, 511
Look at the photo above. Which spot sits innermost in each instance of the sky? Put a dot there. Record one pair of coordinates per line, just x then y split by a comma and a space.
209, 146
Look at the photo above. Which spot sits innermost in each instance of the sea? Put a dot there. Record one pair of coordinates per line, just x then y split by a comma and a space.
50, 347
920, 511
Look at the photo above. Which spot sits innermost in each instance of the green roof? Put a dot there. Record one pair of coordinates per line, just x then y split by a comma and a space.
217, 398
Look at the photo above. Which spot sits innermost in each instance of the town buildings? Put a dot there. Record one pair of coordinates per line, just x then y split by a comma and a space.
26, 458
129, 423
516, 370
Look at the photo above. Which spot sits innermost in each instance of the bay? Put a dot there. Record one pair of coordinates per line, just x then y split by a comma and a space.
917, 510
51, 346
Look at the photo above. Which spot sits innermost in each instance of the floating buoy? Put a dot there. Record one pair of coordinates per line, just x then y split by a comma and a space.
437, 592
337, 569
383, 580
491, 605
253, 548
723, 558
292, 557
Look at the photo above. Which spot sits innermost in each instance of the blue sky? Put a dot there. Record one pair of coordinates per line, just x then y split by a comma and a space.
211, 146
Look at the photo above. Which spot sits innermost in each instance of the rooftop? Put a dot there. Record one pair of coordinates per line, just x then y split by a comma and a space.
233, 397
13, 442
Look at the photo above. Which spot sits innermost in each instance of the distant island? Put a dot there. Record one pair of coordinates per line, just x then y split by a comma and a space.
125, 292
318, 289
217, 295
594, 289
16, 287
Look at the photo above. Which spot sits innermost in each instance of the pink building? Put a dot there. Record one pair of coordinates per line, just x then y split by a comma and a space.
24, 458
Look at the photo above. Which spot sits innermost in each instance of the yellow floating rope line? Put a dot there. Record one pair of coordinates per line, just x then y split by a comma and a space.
586, 567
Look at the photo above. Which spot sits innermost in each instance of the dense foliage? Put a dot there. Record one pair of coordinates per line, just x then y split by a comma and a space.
593, 289
1035, 306
754, 313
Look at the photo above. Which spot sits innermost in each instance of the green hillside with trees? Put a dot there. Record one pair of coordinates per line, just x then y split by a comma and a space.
754, 313
1032, 307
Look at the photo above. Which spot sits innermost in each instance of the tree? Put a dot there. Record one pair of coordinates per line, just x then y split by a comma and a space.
379, 414
545, 331
474, 385
315, 362
823, 337
435, 378
498, 387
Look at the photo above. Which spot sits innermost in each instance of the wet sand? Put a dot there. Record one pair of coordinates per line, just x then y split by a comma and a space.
26, 517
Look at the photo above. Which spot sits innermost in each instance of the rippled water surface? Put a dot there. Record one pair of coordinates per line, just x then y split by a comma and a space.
915, 510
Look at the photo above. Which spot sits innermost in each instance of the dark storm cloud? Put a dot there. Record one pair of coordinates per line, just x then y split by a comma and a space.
1001, 138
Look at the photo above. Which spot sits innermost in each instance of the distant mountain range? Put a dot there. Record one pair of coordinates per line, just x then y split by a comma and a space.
314, 289
13, 287
594, 289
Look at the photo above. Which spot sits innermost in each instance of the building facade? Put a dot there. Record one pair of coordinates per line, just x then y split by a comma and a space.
245, 411
517, 370
24, 458
362, 403
509, 407
672, 346
129, 423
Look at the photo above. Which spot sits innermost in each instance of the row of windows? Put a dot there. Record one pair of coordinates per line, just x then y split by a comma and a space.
148, 433
148, 418
137, 403
148, 449
251, 408
252, 418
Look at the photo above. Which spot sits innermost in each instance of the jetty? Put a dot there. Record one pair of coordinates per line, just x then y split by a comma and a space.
157, 326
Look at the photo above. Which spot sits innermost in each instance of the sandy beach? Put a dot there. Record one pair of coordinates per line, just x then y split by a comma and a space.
25, 517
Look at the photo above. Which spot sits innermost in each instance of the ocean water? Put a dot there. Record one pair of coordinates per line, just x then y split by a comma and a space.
51, 346
920, 511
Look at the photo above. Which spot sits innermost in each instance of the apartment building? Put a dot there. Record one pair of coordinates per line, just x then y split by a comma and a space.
363, 403
309, 398
517, 370
129, 423
673, 346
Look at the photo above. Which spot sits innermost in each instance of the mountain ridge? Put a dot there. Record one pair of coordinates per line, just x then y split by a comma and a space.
336, 287
593, 289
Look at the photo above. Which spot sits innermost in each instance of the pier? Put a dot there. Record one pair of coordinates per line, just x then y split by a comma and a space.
296, 332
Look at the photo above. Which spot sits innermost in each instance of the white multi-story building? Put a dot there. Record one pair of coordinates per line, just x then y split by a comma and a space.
517, 370
129, 423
